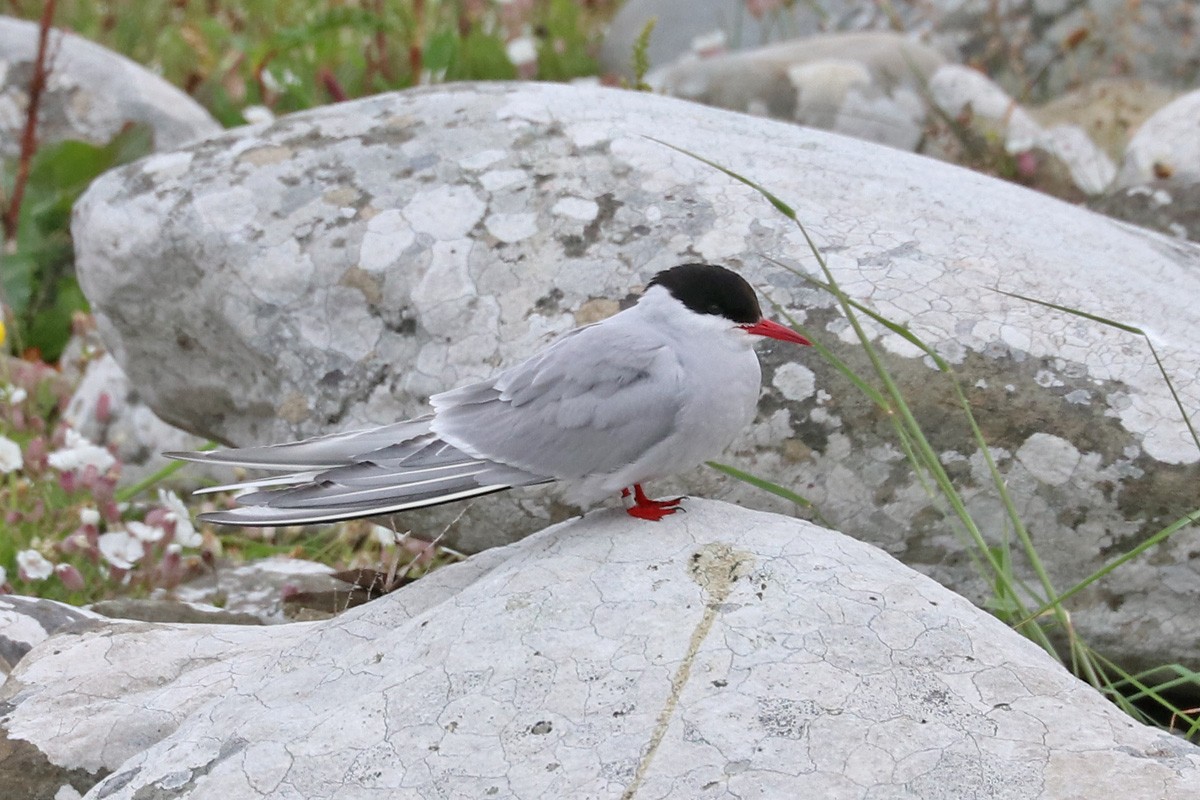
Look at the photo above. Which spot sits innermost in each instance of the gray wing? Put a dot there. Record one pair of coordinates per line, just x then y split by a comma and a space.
589, 404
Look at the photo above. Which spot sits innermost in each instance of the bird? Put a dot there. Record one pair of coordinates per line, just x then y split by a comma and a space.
656, 389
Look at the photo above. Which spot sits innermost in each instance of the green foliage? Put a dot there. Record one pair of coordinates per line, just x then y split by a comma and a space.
291, 56
641, 57
37, 269
565, 48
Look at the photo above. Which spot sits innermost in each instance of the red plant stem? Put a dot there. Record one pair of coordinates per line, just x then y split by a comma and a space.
415, 53
331, 84
29, 136
382, 63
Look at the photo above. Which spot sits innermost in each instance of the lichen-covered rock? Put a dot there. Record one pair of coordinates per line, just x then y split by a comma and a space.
107, 410
1057, 43
1110, 110
1166, 146
868, 85
335, 268
725, 654
90, 95
1172, 207
986, 110
29, 621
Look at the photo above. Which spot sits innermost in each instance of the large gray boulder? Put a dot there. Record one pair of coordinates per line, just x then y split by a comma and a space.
870, 85
335, 268
92, 93
723, 654
1043, 47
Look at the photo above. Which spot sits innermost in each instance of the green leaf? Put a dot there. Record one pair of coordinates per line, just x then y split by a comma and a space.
483, 57
441, 51
50, 330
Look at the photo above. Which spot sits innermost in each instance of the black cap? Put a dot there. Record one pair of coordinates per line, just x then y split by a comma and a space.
710, 289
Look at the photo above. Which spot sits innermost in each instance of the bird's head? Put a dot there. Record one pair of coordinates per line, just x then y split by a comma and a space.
713, 290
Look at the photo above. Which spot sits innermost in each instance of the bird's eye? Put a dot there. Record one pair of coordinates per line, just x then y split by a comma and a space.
713, 308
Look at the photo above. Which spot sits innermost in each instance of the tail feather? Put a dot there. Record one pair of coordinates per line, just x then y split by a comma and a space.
319, 452
251, 516
359, 474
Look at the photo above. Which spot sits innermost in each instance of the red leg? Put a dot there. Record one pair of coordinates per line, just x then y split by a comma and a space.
645, 508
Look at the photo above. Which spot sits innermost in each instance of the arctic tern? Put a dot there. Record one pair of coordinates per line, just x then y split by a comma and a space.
651, 391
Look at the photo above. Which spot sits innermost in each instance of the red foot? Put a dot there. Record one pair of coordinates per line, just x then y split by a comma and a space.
645, 508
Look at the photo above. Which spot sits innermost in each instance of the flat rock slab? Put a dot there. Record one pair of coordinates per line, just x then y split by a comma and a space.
335, 268
721, 653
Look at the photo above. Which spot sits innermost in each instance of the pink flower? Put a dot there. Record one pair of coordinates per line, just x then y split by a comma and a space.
760, 8
70, 577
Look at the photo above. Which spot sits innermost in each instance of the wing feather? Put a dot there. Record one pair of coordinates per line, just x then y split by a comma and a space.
589, 404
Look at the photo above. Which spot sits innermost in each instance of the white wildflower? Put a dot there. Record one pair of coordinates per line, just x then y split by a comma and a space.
34, 566
385, 536
144, 532
257, 115
521, 51
10, 455
13, 394
89, 516
120, 549
3, 576
185, 532
80, 453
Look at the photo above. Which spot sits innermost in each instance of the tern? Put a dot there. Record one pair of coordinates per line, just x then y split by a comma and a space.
651, 391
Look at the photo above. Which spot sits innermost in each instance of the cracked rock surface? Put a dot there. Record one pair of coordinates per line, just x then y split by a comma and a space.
335, 268
720, 653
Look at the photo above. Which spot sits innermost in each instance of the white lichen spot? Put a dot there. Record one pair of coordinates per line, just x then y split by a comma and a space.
653, 214
951, 457
481, 160
499, 179
511, 228
282, 273
795, 381
952, 351
578, 208
167, 165
1079, 397
1045, 378
227, 211
387, 236
445, 213
353, 332
589, 134
1016, 338
1050, 459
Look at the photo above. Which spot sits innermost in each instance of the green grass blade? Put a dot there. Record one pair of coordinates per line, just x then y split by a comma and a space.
150, 481
1190, 518
1112, 323
769, 487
